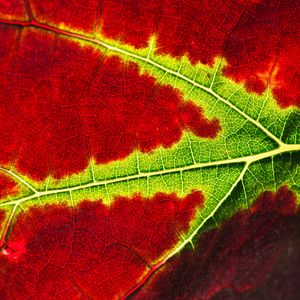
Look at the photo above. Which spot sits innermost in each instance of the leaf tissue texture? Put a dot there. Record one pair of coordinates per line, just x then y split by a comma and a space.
104, 110
149, 149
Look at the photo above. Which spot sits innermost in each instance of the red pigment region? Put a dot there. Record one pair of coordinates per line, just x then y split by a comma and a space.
13, 9
91, 251
83, 15
62, 105
259, 39
237, 257
7, 187
2, 217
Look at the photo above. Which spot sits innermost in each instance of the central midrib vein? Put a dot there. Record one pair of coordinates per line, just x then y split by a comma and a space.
247, 160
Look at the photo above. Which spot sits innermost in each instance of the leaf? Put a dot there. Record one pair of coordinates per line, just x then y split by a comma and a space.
144, 142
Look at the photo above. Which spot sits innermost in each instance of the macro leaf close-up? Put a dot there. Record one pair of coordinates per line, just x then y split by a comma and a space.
150, 149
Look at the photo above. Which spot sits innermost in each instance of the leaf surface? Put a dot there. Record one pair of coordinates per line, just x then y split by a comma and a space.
132, 133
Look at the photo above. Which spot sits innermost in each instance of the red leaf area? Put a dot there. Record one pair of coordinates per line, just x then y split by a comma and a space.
11, 9
7, 187
62, 105
237, 257
2, 217
91, 251
259, 39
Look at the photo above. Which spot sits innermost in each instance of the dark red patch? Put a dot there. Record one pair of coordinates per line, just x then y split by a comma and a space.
62, 104
236, 257
93, 250
7, 186
283, 281
259, 39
